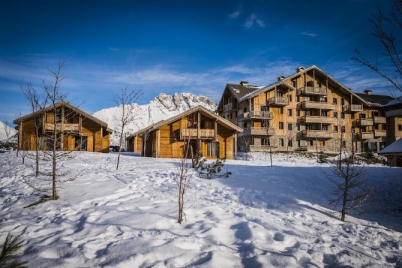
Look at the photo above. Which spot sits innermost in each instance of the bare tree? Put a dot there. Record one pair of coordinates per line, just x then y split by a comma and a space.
125, 100
350, 187
35, 104
388, 31
55, 137
246, 140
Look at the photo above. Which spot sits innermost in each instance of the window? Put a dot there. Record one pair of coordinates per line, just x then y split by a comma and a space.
281, 142
334, 101
280, 109
245, 125
319, 84
297, 98
400, 127
290, 143
294, 83
289, 126
311, 143
382, 145
343, 115
343, 129
297, 112
280, 125
342, 101
336, 114
298, 126
344, 144
323, 99
384, 127
289, 112
265, 141
290, 98
335, 128
245, 110
213, 149
236, 114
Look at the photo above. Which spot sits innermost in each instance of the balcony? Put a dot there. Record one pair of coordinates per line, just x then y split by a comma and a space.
316, 105
380, 133
278, 101
364, 122
365, 135
256, 115
318, 119
228, 107
312, 91
261, 131
192, 133
316, 134
380, 120
353, 108
72, 128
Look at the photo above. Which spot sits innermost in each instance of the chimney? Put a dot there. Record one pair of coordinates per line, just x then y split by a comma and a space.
280, 78
244, 83
368, 91
301, 68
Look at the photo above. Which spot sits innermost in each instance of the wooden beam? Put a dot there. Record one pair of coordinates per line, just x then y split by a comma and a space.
158, 145
215, 129
61, 129
198, 125
20, 136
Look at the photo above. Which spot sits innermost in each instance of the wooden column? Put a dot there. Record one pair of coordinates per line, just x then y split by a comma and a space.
158, 145
80, 125
215, 130
61, 128
235, 145
101, 139
198, 125
20, 136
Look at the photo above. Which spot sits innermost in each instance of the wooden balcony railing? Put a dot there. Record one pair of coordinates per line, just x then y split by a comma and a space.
260, 131
380, 120
316, 105
318, 119
228, 107
318, 134
312, 91
365, 135
192, 133
353, 108
73, 128
380, 133
256, 115
364, 122
278, 101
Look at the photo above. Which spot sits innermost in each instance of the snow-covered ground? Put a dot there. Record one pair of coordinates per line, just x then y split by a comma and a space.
260, 216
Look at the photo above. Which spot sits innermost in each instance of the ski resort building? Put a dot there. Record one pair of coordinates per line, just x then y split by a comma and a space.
306, 111
71, 127
206, 132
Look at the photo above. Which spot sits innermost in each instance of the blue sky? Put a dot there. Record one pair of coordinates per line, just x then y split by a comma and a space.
179, 46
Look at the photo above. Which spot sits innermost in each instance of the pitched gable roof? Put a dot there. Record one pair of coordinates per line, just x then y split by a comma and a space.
393, 148
68, 105
199, 108
375, 99
239, 91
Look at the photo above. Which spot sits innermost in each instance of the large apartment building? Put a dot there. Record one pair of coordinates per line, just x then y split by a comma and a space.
308, 111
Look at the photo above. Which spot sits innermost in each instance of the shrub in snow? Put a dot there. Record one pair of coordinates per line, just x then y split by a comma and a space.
210, 169
9, 253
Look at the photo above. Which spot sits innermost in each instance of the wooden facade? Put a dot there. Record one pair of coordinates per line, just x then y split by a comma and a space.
207, 133
307, 111
73, 128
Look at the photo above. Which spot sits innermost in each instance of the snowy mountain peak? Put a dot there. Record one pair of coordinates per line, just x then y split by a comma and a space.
6, 131
162, 107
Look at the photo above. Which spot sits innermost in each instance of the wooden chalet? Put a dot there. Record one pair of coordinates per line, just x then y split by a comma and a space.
208, 133
75, 130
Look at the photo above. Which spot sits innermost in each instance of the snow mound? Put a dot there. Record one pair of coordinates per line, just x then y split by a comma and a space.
260, 216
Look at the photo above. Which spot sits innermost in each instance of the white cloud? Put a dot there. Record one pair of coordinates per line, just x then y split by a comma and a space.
308, 34
253, 20
235, 14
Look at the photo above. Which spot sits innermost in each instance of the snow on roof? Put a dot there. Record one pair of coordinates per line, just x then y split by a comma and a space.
393, 148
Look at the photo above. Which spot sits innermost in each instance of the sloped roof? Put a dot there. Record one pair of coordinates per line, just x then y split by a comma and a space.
65, 104
302, 71
374, 99
239, 91
393, 148
199, 108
